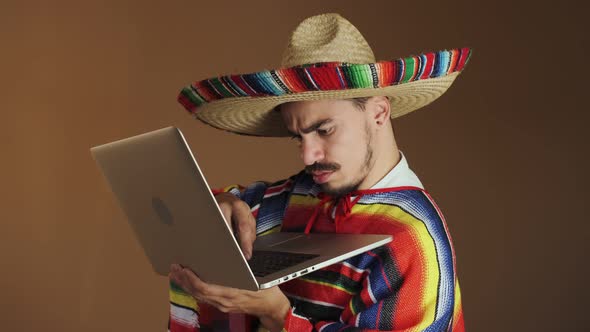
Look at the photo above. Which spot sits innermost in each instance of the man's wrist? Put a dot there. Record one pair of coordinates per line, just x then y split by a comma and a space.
274, 320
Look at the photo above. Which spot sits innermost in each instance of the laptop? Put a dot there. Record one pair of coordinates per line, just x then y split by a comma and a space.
173, 213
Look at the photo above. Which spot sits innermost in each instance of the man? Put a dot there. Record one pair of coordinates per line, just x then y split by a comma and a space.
337, 102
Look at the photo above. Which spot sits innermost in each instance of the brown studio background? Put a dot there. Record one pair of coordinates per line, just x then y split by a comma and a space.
503, 152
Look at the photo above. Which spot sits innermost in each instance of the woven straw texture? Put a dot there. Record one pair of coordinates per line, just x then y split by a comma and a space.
256, 115
326, 58
326, 38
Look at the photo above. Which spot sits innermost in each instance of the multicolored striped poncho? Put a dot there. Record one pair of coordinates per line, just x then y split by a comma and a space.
408, 285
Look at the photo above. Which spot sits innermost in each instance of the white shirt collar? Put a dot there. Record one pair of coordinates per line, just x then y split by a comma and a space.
400, 176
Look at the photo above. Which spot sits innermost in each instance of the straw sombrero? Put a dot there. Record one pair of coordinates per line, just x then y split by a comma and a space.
326, 58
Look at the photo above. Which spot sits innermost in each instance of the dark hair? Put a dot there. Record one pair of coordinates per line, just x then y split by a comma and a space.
360, 102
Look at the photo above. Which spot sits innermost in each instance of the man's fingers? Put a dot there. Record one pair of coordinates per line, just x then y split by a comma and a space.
211, 293
225, 299
191, 282
226, 211
174, 274
225, 202
245, 228
237, 213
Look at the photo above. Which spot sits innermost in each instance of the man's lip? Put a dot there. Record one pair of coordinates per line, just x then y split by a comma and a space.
318, 173
321, 177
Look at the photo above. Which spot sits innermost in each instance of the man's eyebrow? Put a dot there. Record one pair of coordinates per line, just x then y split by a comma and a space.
313, 127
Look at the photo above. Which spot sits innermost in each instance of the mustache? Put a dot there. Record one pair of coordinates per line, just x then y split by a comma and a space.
321, 167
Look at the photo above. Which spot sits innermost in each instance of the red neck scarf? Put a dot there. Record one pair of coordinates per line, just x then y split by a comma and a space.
342, 206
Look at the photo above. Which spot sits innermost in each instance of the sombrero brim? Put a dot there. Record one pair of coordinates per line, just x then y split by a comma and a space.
245, 104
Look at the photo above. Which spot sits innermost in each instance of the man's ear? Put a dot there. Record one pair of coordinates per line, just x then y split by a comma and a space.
380, 110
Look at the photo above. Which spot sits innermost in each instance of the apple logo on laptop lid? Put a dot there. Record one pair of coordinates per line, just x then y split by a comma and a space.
162, 211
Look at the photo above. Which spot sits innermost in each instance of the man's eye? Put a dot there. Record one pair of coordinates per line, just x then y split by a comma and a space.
324, 132
296, 138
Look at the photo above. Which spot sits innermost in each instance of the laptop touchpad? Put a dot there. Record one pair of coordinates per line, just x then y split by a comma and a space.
275, 239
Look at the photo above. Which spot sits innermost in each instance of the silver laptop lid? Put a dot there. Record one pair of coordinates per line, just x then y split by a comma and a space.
162, 210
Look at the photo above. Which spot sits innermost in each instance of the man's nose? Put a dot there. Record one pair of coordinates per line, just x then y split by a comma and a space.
311, 151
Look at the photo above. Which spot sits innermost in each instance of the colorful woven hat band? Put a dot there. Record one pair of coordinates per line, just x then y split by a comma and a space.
327, 76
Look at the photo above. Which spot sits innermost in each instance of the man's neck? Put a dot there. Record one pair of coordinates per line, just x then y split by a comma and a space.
384, 163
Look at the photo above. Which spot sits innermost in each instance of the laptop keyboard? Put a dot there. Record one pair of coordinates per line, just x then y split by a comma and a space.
265, 262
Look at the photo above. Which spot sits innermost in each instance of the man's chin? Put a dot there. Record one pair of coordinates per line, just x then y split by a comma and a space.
337, 191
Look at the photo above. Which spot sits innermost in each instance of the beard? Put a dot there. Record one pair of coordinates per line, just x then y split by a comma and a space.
353, 184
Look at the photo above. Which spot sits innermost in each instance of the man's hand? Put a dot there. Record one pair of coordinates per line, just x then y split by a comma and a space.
269, 305
243, 224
